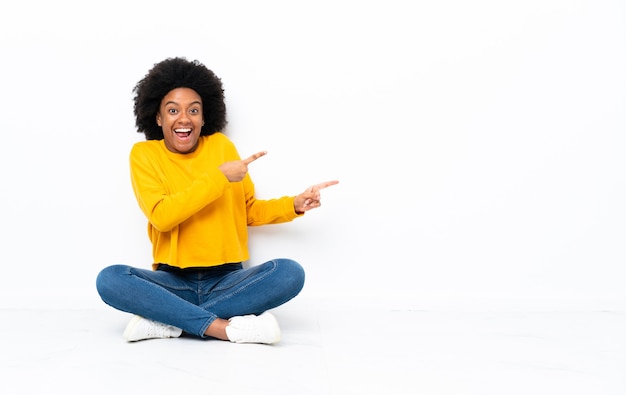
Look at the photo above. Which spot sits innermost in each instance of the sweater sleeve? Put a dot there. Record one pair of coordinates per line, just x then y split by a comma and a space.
272, 211
163, 209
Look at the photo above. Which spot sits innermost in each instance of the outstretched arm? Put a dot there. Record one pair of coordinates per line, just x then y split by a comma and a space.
311, 198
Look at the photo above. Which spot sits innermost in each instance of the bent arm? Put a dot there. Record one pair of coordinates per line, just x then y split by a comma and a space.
167, 204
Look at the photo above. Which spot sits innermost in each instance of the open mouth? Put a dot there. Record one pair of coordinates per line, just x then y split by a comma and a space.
183, 133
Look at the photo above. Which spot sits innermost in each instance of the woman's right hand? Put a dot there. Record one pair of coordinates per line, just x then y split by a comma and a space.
236, 170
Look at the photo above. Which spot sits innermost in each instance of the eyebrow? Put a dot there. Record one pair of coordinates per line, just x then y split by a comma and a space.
192, 103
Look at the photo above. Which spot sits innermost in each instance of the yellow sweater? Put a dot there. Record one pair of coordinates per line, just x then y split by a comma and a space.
196, 217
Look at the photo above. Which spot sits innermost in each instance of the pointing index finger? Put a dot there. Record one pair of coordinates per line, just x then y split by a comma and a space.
254, 157
323, 185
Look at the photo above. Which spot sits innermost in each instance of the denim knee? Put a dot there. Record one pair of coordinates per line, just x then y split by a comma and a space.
293, 274
106, 278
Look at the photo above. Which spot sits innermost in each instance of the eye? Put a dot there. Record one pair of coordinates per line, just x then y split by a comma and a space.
172, 111
194, 111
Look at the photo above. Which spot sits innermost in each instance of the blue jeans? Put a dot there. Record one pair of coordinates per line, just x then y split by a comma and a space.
191, 299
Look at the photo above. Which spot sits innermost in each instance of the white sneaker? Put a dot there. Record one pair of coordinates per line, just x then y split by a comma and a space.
140, 328
253, 329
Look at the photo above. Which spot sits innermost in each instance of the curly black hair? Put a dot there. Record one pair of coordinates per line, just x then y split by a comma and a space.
175, 73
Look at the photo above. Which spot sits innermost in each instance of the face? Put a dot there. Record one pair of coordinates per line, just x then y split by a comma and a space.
180, 117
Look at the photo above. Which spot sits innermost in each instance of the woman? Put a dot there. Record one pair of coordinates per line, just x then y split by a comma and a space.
199, 199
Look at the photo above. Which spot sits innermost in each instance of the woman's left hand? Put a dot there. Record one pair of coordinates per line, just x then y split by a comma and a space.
310, 198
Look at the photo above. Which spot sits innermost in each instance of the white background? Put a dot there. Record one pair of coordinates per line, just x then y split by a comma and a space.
479, 144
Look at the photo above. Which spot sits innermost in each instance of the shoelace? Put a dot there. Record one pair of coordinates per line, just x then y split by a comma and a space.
157, 329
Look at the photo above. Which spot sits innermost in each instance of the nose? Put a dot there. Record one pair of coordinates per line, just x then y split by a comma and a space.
183, 118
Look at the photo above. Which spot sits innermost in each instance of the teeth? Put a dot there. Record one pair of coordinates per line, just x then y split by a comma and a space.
182, 130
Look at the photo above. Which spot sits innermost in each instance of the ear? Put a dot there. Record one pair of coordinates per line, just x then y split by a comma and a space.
158, 119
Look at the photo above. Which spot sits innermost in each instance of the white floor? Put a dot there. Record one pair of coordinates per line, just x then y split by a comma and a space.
324, 350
